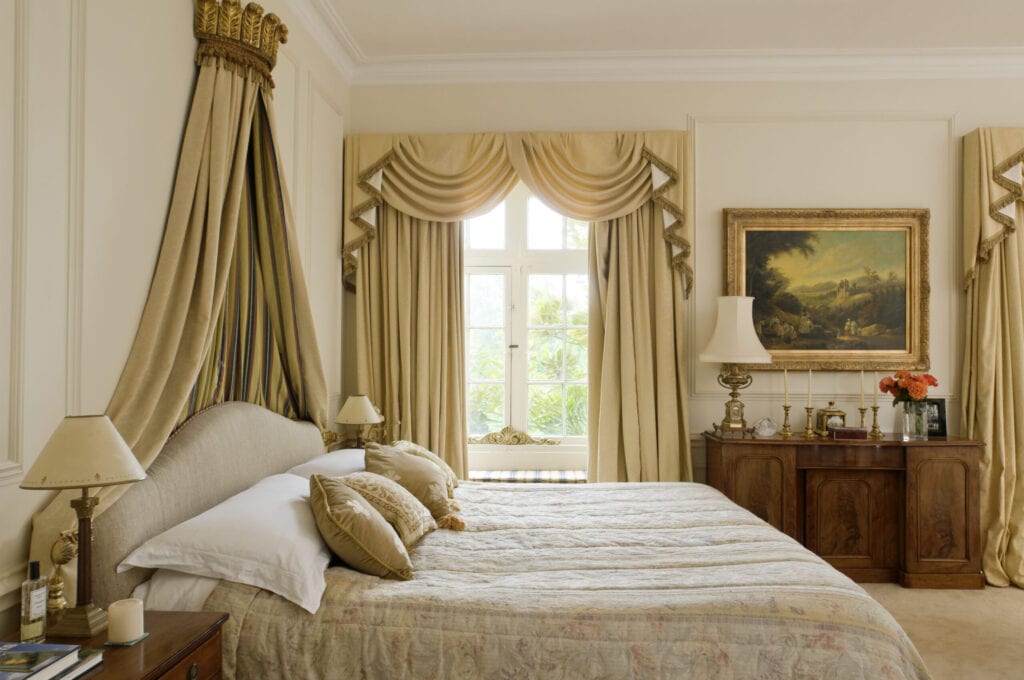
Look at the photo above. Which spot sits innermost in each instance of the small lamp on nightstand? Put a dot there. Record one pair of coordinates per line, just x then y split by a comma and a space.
358, 410
83, 452
734, 341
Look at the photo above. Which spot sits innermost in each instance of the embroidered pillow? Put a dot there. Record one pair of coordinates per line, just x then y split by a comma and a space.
355, 531
404, 511
419, 476
417, 450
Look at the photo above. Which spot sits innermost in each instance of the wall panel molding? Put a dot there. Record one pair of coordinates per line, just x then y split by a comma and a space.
76, 207
10, 585
10, 470
942, 197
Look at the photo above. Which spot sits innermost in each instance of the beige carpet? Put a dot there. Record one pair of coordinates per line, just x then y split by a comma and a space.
962, 634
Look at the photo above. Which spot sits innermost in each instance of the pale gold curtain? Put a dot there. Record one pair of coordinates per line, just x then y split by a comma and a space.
410, 332
637, 377
993, 371
227, 176
587, 176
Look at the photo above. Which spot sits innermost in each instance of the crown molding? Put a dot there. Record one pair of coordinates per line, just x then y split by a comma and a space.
329, 32
698, 65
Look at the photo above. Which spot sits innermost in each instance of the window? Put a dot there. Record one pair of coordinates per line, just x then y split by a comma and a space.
526, 299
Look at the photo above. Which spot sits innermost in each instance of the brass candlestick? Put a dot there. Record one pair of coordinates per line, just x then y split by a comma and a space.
809, 430
863, 410
875, 433
786, 433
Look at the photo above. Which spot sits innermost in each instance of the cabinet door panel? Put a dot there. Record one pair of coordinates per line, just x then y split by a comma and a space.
853, 517
942, 511
763, 480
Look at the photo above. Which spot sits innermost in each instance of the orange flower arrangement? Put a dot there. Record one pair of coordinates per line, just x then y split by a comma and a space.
907, 386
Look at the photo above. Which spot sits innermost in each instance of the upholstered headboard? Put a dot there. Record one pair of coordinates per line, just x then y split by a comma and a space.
216, 454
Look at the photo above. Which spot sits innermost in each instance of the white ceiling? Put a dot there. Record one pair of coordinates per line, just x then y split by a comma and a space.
392, 40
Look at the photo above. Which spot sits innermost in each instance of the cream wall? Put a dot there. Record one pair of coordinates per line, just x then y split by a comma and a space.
761, 144
93, 100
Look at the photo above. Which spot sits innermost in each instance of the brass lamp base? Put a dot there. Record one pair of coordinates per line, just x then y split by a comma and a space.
83, 621
734, 380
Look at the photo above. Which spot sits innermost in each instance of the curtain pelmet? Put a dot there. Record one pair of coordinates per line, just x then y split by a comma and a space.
588, 176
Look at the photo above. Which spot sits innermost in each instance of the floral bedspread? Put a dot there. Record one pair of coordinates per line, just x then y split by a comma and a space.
580, 581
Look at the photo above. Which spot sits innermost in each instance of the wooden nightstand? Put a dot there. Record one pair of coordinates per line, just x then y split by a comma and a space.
180, 646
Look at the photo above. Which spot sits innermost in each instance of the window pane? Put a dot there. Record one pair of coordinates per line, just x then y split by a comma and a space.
576, 410
545, 410
486, 354
576, 234
577, 292
485, 296
487, 232
544, 358
545, 300
486, 408
543, 226
576, 354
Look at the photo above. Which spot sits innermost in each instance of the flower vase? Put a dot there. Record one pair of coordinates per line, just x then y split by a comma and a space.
915, 421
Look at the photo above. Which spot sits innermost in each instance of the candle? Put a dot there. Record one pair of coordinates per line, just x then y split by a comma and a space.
124, 620
808, 387
862, 389
785, 387
874, 392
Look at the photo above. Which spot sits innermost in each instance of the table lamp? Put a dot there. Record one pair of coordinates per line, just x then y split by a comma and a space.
733, 342
358, 410
83, 452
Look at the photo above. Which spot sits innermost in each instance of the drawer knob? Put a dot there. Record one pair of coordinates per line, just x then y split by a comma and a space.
193, 671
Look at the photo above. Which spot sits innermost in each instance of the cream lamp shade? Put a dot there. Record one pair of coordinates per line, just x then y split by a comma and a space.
84, 451
734, 340
358, 410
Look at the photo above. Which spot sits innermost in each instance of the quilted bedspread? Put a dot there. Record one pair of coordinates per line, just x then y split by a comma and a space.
581, 581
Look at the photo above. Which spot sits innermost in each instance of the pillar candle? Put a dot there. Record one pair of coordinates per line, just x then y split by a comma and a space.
124, 620
809, 387
874, 392
785, 387
862, 389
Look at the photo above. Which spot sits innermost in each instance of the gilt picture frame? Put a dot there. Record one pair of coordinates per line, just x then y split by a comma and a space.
833, 289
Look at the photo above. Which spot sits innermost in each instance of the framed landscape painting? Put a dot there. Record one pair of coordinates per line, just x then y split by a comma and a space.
833, 289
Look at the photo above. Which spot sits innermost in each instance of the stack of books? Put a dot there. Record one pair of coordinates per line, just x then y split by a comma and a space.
32, 661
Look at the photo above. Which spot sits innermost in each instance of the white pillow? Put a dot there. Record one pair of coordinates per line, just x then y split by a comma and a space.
333, 464
265, 536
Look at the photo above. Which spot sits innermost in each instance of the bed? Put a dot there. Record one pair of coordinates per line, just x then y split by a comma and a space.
546, 581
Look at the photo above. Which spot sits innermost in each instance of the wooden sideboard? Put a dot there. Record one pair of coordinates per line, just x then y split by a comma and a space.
884, 510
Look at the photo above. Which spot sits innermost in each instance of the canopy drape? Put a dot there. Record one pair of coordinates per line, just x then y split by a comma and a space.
993, 371
226, 317
587, 176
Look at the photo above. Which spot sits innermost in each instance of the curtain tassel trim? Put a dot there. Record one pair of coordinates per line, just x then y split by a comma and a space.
1002, 210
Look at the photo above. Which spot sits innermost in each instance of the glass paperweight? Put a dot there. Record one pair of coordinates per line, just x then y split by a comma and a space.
766, 427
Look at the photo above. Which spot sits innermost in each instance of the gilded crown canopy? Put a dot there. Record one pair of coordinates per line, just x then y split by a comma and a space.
244, 37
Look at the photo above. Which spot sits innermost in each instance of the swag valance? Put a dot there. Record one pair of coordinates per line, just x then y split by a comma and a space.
586, 176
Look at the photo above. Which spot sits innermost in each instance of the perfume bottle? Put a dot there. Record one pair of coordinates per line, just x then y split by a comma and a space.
33, 605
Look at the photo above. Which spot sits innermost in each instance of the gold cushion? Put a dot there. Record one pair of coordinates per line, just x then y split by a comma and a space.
419, 476
417, 450
355, 531
404, 511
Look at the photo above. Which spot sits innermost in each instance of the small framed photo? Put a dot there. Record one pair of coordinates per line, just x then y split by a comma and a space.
936, 417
